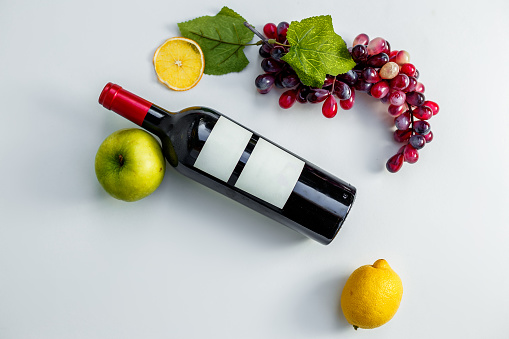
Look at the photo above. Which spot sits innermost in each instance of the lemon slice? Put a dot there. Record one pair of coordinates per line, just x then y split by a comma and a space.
179, 63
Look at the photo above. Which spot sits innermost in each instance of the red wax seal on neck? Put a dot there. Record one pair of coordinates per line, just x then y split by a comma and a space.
124, 103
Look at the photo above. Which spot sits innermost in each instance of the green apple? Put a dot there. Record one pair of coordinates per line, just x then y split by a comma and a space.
130, 164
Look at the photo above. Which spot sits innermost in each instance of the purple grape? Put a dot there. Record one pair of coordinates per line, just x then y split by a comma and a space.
264, 50
270, 65
302, 94
369, 74
363, 86
412, 84
360, 54
350, 77
417, 141
264, 83
378, 60
317, 95
329, 80
282, 29
289, 80
342, 90
415, 98
400, 81
422, 127
277, 52
403, 121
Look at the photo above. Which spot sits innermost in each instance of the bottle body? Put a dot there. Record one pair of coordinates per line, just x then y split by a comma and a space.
227, 157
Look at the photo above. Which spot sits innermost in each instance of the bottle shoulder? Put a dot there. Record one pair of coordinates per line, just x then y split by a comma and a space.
190, 129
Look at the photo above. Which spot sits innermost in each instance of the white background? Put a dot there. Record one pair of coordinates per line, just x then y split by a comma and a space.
188, 263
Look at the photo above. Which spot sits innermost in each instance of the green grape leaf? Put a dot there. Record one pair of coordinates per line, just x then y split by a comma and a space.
316, 50
222, 39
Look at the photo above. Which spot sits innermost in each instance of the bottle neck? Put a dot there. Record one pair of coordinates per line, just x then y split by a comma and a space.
132, 107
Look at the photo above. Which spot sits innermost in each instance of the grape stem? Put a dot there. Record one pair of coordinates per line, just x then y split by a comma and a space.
275, 42
261, 36
258, 34
411, 118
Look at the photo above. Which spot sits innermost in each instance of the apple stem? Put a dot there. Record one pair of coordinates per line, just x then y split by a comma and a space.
121, 160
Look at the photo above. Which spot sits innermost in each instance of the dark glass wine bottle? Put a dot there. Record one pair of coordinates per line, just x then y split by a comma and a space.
229, 158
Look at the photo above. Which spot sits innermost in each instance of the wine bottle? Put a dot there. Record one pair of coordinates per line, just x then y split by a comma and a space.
227, 157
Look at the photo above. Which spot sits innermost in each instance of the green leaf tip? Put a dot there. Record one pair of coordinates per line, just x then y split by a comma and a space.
316, 50
222, 39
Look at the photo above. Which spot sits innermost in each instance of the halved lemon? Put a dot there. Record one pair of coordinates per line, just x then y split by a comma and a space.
179, 63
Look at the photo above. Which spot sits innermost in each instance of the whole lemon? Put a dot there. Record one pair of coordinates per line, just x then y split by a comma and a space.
371, 295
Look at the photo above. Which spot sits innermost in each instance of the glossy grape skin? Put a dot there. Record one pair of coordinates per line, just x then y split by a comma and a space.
348, 103
395, 163
387, 48
271, 65
400, 82
277, 52
363, 86
415, 98
329, 80
330, 107
417, 141
393, 54
289, 80
342, 90
264, 50
302, 94
395, 110
370, 75
317, 95
378, 60
420, 87
402, 136
270, 30
287, 99
432, 105
423, 112
422, 127
360, 54
264, 83
350, 77
380, 89
428, 137
361, 39
408, 69
410, 154
282, 29
412, 84
397, 98
403, 121
389, 70
377, 45
403, 57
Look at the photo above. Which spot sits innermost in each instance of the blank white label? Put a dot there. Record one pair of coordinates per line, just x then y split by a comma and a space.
223, 149
270, 173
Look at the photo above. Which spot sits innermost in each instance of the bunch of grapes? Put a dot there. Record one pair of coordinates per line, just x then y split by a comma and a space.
281, 75
380, 72
388, 75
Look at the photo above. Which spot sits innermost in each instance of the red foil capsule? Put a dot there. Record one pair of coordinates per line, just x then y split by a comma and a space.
124, 103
